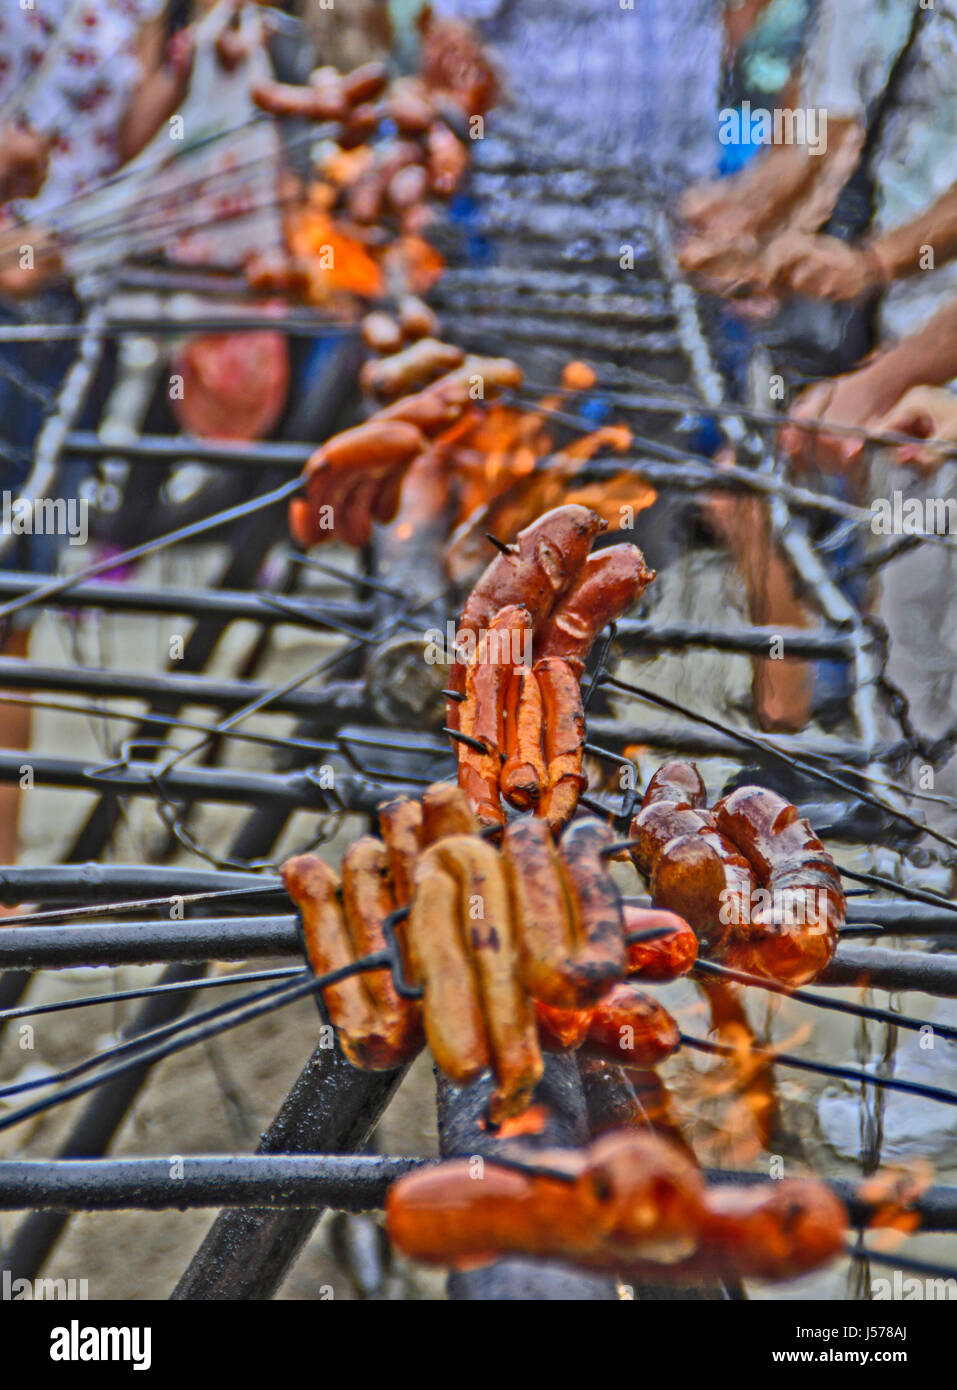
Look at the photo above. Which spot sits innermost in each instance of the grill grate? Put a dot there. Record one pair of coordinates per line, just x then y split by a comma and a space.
551, 293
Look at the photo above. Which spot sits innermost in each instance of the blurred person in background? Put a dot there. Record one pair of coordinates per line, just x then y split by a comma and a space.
885, 71
620, 83
85, 88
69, 76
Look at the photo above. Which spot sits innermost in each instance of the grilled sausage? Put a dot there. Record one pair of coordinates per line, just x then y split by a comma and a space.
563, 722
381, 333
561, 1030
608, 584
631, 1028
513, 1039
411, 368
695, 871
535, 572
524, 774
596, 915
441, 962
666, 957
360, 123
633, 1203
491, 673
677, 781
703, 879
628, 1193
309, 103
775, 1231
542, 915
314, 888
794, 937
432, 410
345, 463
377, 442
367, 900
454, 1214
365, 83
400, 823
446, 811
417, 319
478, 774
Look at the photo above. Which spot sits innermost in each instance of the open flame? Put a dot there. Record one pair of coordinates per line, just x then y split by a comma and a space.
508, 470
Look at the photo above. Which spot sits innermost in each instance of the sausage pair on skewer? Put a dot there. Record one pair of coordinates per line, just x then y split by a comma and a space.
631, 1203
750, 875
513, 949
528, 717
355, 478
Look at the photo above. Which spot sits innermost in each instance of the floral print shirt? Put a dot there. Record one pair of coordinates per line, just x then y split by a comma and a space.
69, 68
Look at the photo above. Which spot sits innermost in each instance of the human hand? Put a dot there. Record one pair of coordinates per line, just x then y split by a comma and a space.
856, 401
927, 413
24, 157
821, 267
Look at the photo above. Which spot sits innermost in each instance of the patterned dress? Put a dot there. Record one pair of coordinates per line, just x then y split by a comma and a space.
70, 68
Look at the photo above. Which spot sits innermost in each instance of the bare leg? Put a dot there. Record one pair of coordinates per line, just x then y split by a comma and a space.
14, 733
782, 688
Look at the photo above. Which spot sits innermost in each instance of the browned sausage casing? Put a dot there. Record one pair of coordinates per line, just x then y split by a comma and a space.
446, 811
486, 921
535, 573
666, 957
695, 871
677, 781
596, 915
563, 724
314, 888
792, 938
367, 900
631, 1028
542, 915
608, 585
381, 333
524, 774
411, 368
441, 962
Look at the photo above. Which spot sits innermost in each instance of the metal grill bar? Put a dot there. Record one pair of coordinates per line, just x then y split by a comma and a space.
347, 1182
149, 941
247, 1254
645, 635
230, 604
106, 883
330, 705
166, 449
686, 736
295, 790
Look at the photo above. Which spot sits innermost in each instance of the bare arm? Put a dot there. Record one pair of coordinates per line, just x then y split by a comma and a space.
739, 19
159, 93
900, 251
864, 399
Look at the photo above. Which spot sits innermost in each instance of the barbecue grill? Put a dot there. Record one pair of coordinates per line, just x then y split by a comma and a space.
556, 287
